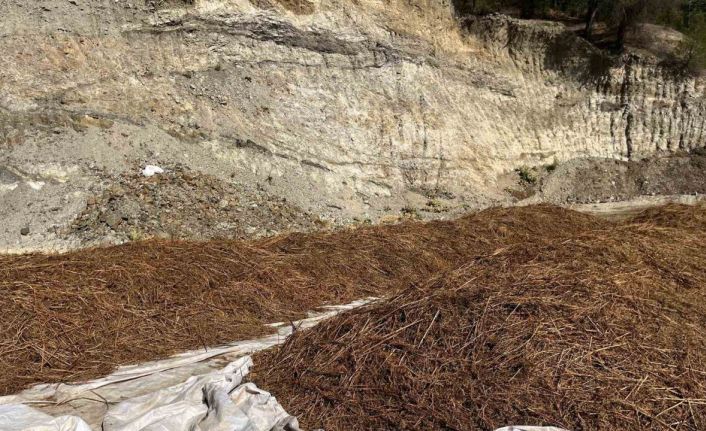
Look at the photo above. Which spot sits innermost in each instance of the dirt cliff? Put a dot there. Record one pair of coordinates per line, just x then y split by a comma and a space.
351, 110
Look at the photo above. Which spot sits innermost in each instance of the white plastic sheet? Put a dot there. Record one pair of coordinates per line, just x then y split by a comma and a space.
216, 401
99, 403
19, 417
530, 428
187, 392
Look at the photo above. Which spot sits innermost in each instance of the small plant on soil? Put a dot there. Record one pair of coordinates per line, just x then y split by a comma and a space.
411, 212
435, 206
136, 235
527, 175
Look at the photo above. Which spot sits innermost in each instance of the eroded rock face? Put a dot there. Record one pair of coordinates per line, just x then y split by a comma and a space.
337, 105
626, 107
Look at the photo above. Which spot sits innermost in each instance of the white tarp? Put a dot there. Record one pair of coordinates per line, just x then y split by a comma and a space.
98, 403
188, 392
19, 417
217, 401
223, 405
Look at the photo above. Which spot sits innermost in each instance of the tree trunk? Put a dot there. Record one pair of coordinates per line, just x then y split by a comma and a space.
630, 16
622, 30
591, 18
528, 9
686, 16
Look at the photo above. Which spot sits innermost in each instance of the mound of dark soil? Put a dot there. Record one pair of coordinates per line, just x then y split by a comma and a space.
179, 204
602, 329
604, 180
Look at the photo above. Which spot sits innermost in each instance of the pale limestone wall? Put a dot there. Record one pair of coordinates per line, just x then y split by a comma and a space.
373, 95
635, 107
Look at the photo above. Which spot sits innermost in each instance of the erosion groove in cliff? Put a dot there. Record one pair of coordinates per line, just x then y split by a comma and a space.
656, 106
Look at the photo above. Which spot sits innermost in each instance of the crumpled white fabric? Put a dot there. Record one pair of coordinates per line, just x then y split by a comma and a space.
93, 400
19, 417
212, 402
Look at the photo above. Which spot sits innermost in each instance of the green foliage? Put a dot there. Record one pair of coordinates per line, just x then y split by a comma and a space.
689, 17
159, 4
411, 212
695, 47
524, 8
527, 175
136, 235
686, 16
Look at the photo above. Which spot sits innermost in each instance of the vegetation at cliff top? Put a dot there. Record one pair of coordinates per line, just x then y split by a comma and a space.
608, 22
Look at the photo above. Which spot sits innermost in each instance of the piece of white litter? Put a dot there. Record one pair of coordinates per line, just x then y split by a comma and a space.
8, 187
36, 185
151, 170
530, 428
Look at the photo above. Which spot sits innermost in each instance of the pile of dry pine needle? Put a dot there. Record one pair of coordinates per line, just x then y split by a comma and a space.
76, 316
525, 315
598, 328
